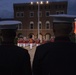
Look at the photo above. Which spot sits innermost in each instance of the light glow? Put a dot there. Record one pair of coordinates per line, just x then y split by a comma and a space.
47, 2
41, 2
31, 3
37, 2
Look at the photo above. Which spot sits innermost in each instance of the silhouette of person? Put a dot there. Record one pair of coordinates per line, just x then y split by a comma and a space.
58, 57
14, 60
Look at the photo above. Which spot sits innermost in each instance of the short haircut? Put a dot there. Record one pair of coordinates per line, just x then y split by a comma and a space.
62, 28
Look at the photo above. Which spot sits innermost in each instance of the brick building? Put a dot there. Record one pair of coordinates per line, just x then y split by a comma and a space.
27, 13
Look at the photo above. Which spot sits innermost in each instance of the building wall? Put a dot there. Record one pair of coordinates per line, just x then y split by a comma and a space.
26, 8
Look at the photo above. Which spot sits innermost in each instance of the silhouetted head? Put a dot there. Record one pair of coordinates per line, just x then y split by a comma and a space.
62, 29
8, 30
8, 34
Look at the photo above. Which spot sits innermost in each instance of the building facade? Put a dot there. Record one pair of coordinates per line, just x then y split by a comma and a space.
27, 13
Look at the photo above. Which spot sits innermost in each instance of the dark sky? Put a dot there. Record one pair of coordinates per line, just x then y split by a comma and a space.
6, 6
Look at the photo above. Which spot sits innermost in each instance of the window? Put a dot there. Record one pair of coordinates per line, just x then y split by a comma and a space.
57, 12
31, 14
47, 13
19, 14
40, 25
31, 25
61, 12
47, 25
40, 14
22, 14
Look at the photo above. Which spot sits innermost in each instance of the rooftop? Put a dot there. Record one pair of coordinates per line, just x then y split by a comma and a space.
64, 15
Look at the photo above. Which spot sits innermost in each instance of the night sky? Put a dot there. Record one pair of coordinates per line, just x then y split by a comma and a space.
6, 6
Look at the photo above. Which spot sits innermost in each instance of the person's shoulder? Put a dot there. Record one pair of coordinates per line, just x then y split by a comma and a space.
72, 44
20, 49
46, 44
23, 52
44, 47
43, 50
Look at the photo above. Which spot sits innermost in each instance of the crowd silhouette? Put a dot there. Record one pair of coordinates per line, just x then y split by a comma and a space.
51, 58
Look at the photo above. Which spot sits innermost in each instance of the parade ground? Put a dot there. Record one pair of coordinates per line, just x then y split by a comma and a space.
31, 52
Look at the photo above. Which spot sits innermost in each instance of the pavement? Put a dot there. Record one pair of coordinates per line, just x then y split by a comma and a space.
31, 52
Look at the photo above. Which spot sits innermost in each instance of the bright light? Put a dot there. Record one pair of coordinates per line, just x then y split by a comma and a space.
47, 2
31, 3
37, 2
41, 2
